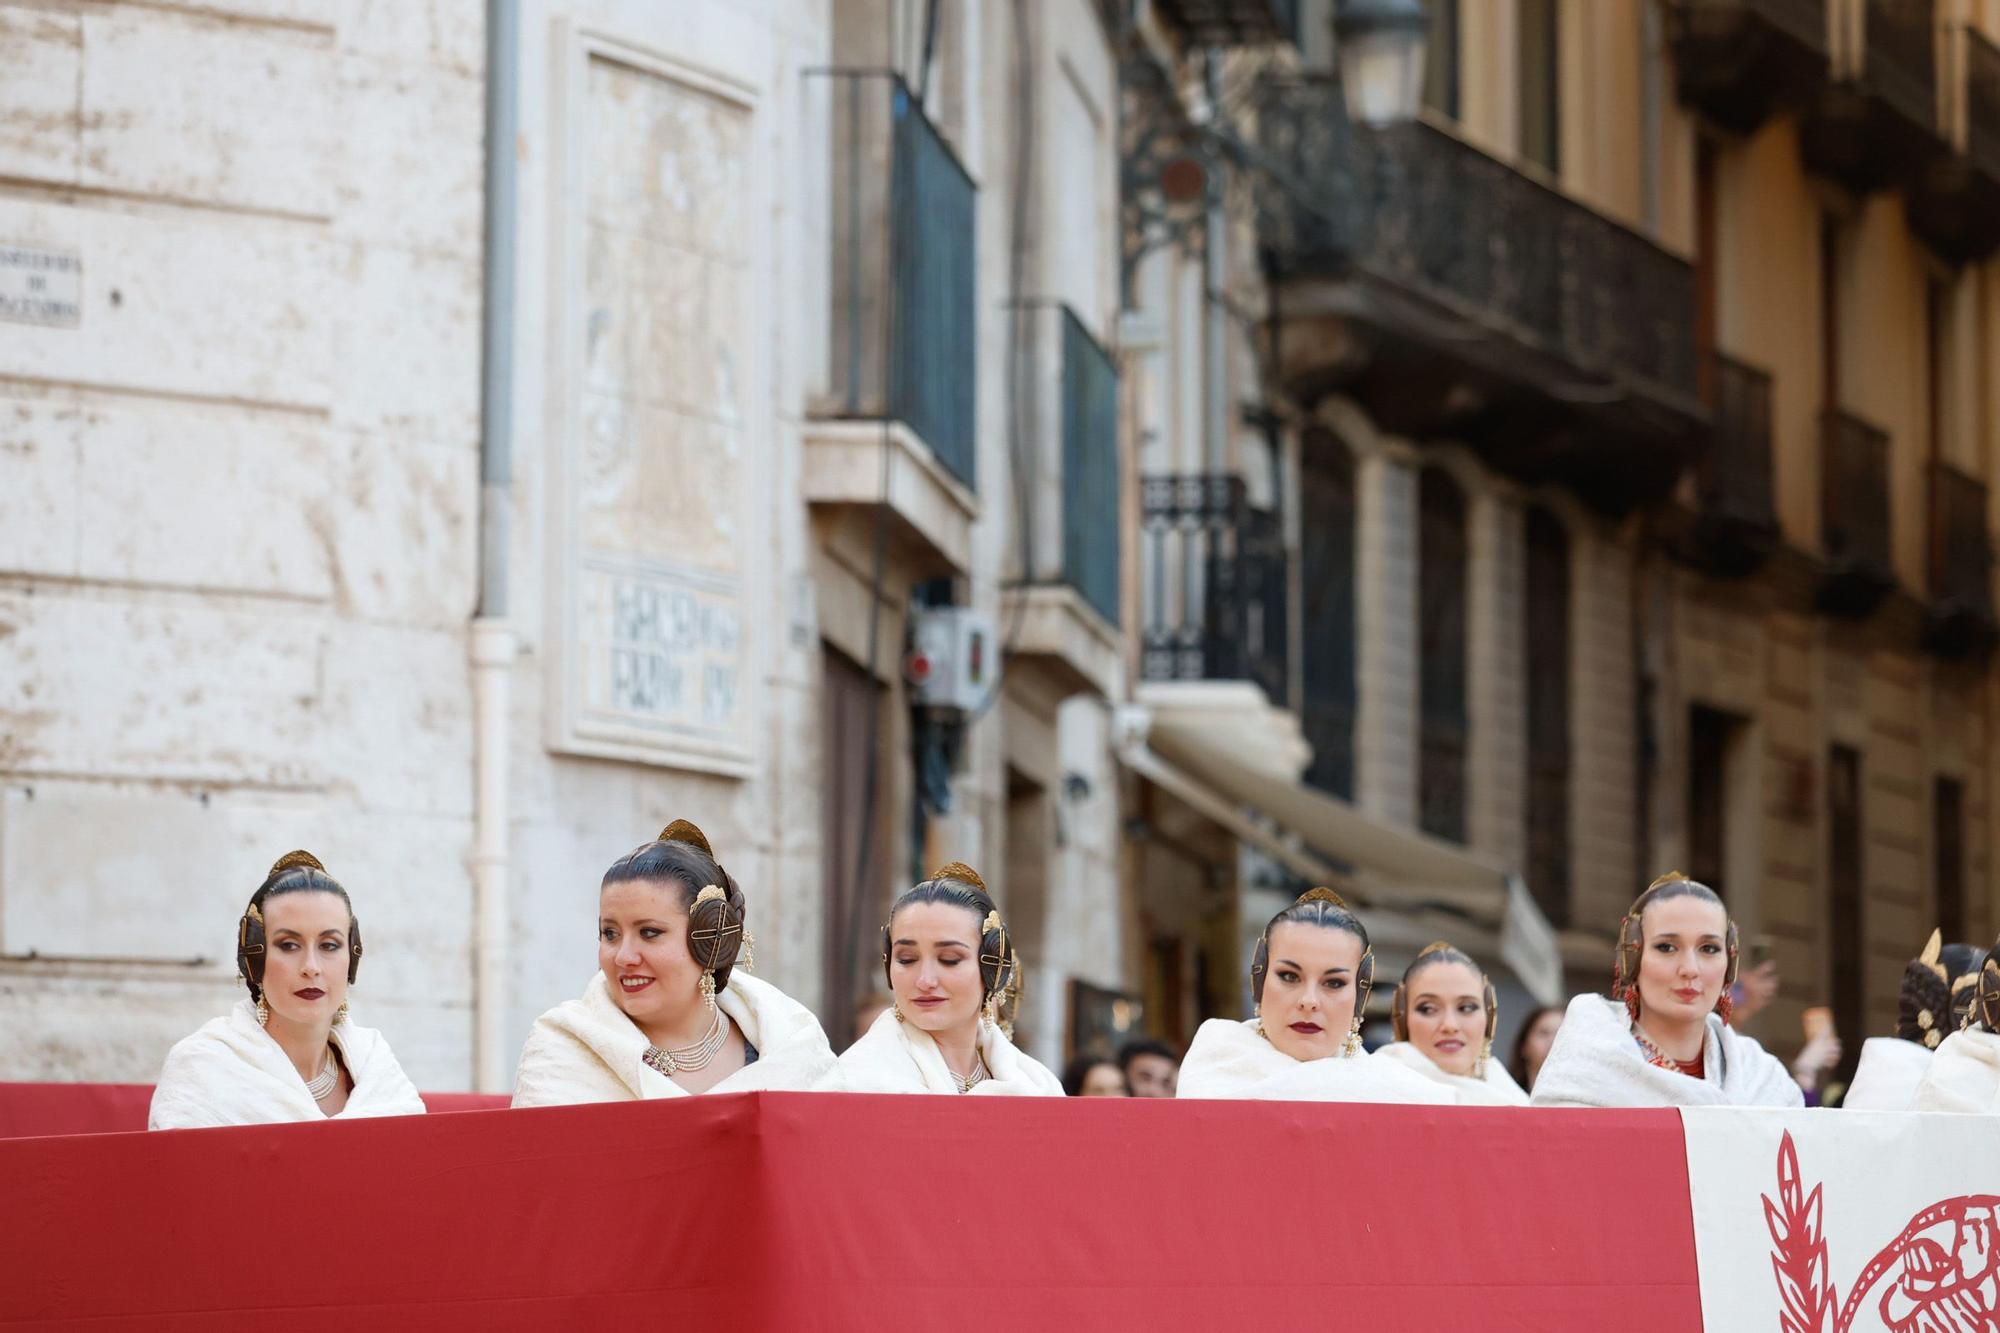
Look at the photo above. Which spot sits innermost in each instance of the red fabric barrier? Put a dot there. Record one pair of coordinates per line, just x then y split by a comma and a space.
30, 1110
796, 1211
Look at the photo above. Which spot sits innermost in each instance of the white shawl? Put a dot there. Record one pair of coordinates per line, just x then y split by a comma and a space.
230, 1071
1498, 1088
1887, 1076
1964, 1075
894, 1056
1229, 1059
1596, 1062
587, 1050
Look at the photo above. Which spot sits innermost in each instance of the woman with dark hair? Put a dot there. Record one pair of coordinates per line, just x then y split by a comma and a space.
1445, 1014
949, 962
1093, 1076
288, 1052
1532, 1043
1933, 1002
1310, 975
670, 1011
1964, 1072
1663, 1039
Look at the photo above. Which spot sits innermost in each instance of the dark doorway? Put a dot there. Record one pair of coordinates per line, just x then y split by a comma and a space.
1326, 497
1845, 915
1442, 547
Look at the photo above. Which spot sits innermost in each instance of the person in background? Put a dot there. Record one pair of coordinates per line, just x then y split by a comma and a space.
1752, 991
1964, 1072
1150, 1068
1933, 1002
1094, 1076
1663, 1038
1445, 1014
1531, 1045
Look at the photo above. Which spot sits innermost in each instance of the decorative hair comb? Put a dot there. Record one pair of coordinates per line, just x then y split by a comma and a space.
1435, 946
683, 831
991, 923
1321, 895
1671, 877
709, 894
293, 860
1933, 952
961, 872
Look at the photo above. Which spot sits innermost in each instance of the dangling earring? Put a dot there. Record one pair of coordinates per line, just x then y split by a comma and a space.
1632, 1002
990, 1016
749, 963
1354, 1046
897, 1010
340, 1014
1726, 1005
1485, 1054
1259, 1012
263, 1012
707, 988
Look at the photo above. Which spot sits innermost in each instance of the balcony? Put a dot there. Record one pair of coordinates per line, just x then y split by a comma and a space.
1455, 296
1216, 585
1955, 203
1737, 61
898, 374
1064, 608
1961, 619
1854, 516
1736, 526
1878, 126
1233, 22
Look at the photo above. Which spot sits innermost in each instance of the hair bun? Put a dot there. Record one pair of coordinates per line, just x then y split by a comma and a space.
682, 830
961, 872
292, 861
1323, 894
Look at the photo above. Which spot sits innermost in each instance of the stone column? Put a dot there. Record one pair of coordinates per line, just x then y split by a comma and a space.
1385, 558
1496, 684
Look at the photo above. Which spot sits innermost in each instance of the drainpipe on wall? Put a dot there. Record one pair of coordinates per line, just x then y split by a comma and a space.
492, 644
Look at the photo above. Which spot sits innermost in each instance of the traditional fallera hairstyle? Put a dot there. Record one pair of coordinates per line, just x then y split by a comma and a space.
959, 885
1325, 908
1937, 991
1631, 939
682, 857
1985, 1009
1432, 954
294, 872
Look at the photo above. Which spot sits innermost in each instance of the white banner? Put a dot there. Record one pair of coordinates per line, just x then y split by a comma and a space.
1845, 1221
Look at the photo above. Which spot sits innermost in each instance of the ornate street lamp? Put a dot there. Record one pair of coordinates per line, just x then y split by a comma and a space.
1380, 45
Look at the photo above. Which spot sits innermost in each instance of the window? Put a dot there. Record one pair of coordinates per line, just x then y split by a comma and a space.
1548, 604
1539, 48
1948, 847
1326, 559
850, 816
1441, 556
1709, 735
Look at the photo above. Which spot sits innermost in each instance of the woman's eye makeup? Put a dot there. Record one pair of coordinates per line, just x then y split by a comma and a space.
1287, 976
650, 933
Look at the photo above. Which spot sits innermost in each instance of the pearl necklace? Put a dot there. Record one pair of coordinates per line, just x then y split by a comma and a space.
696, 1055
967, 1082
322, 1084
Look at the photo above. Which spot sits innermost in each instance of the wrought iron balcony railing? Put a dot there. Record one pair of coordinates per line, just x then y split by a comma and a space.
1234, 22
1216, 584
902, 343
1961, 566
1854, 513
1415, 206
1901, 57
1737, 525
1090, 471
1982, 103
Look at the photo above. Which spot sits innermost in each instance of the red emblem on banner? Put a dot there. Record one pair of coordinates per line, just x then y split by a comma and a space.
1940, 1275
